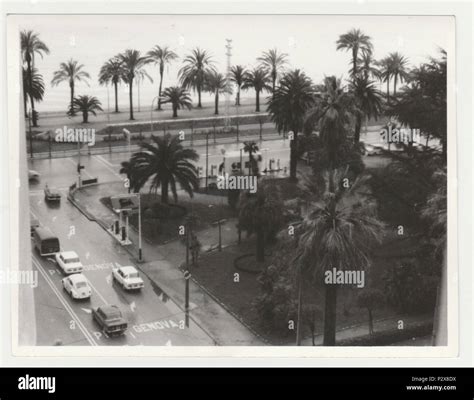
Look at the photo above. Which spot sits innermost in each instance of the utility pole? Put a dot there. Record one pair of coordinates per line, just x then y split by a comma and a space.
228, 82
187, 277
139, 228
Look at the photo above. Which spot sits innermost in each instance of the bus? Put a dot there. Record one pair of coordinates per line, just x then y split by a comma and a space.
45, 241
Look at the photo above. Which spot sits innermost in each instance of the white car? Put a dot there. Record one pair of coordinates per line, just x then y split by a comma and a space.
33, 175
77, 286
128, 278
69, 262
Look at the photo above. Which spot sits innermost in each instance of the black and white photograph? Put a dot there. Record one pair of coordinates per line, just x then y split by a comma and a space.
255, 183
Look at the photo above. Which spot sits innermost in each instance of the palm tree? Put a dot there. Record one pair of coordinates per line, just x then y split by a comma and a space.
85, 105
337, 232
167, 163
262, 213
398, 68
216, 84
273, 62
331, 116
251, 148
292, 98
178, 97
367, 65
70, 72
35, 91
31, 45
193, 74
259, 80
385, 68
133, 63
161, 56
354, 41
368, 102
112, 72
238, 75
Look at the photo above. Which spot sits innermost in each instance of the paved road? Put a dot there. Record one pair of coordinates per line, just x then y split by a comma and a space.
154, 319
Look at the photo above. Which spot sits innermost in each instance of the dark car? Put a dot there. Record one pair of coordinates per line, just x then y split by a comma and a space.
51, 194
110, 319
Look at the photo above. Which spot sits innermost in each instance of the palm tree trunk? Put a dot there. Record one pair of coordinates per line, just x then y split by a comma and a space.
164, 192
293, 156
354, 63
395, 85
71, 85
216, 104
257, 100
85, 117
159, 90
237, 100
25, 102
116, 97
175, 112
371, 322
130, 96
388, 90
330, 316
300, 308
358, 125
199, 97
260, 245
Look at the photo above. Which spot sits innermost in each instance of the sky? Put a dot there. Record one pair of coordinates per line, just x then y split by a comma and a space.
309, 41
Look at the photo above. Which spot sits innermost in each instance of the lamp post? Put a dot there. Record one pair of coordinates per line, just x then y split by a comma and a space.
30, 134
207, 159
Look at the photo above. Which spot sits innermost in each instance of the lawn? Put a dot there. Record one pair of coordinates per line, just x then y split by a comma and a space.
217, 274
161, 223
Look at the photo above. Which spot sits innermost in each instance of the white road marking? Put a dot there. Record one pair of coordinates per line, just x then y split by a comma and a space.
86, 310
105, 163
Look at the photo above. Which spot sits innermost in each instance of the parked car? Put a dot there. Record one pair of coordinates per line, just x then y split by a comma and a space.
128, 278
77, 286
110, 319
51, 194
69, 262
33, 175
371, 150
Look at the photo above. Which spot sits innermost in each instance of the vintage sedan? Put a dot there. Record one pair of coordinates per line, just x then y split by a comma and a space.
128, 277
51, 194
69, 262
110, 320
77, 286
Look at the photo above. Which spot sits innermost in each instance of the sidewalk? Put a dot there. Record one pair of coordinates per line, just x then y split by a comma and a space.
162, 267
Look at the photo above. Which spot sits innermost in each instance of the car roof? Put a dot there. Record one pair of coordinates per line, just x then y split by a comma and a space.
69, 254
128, 269
109, 308
77, 278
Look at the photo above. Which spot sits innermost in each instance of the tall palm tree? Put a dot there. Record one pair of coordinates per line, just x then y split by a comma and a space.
70, 72
251, 148
398, 68
85, 105
331, 116
259, 80
238, 75
166, 163
161, 56
368, 102
385, 73
337, 232
112, 72
354, 41
216, 84
31, 45
133, 62
193, 74
273, 62
33, 87
178, 97
292, 99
